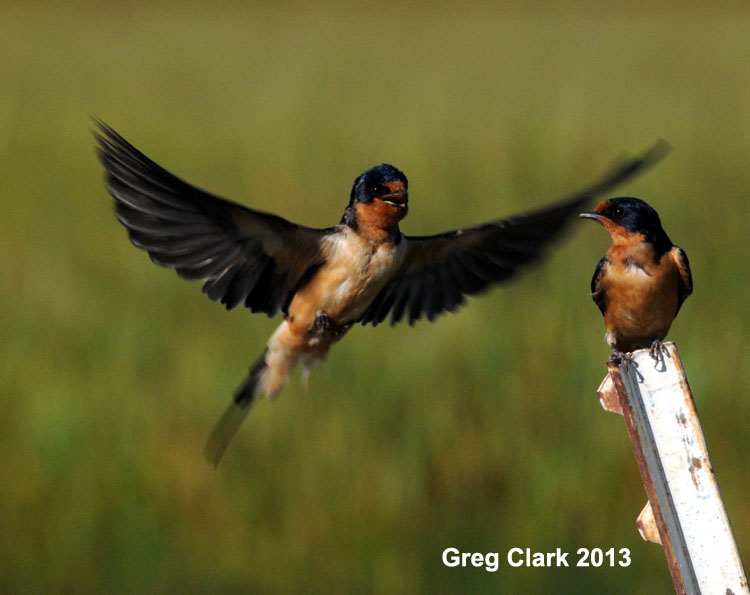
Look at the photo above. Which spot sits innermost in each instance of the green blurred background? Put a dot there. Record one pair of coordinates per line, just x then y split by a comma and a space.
481, 431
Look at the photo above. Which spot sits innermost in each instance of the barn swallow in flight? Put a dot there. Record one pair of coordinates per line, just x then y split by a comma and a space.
322, 280
642, 281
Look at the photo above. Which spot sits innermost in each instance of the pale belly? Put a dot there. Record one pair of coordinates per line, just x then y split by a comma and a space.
346, 284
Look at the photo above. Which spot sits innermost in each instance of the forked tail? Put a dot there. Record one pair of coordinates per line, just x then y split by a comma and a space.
268, 376
234, 415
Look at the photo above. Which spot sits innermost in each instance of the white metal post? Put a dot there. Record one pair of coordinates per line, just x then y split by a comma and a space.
686, 506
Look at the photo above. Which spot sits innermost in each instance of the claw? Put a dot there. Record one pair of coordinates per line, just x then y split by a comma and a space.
657, 351
618, 357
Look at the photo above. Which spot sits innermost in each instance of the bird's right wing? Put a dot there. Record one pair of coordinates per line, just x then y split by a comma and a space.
241, 255
597, 293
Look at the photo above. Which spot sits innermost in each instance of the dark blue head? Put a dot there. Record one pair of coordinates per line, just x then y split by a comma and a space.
383, 182
632, 215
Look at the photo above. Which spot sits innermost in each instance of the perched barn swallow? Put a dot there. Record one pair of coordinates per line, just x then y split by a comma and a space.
642, 281
322, 280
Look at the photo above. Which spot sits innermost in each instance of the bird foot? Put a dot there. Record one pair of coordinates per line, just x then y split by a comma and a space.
618, 357
322, 323
658, 352
326, 329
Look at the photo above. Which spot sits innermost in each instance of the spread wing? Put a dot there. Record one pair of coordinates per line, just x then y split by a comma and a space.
686, 277
597, 293
241, 255
438, 271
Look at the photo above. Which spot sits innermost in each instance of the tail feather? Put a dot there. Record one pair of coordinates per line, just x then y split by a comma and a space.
268, 376
235, 414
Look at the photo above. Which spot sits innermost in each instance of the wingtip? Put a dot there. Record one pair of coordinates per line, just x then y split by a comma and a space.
100, 127
660, 149
651, 156
623, 169
108, 138
104, 136
96, 130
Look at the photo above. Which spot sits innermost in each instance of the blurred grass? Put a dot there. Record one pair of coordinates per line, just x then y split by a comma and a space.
481, 431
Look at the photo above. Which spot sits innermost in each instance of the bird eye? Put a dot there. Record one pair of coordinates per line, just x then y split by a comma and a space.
618, 212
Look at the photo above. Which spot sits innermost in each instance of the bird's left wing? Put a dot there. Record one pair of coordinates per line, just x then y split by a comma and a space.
438, 271
686, 277
241, 255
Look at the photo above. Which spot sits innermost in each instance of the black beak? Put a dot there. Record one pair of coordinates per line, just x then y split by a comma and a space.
592, 215
399, 198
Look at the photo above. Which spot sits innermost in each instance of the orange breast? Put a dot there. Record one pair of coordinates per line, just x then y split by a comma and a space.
378, 219
641, 302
